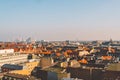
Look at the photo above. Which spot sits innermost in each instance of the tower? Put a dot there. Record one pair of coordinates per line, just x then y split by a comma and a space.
111, 41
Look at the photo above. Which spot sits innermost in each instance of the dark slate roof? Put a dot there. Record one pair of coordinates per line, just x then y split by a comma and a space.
94, 65
18, 76
12, 66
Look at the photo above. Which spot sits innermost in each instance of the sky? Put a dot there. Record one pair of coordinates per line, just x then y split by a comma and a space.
59, 19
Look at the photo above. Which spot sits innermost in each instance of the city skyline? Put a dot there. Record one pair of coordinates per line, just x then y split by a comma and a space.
59, 20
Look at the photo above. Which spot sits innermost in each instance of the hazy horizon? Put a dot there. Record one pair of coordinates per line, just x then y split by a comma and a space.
59, 19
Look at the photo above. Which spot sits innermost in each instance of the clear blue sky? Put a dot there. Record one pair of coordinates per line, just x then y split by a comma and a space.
60, 19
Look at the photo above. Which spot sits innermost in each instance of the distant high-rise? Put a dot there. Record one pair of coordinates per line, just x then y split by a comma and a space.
67, 42
28, 40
